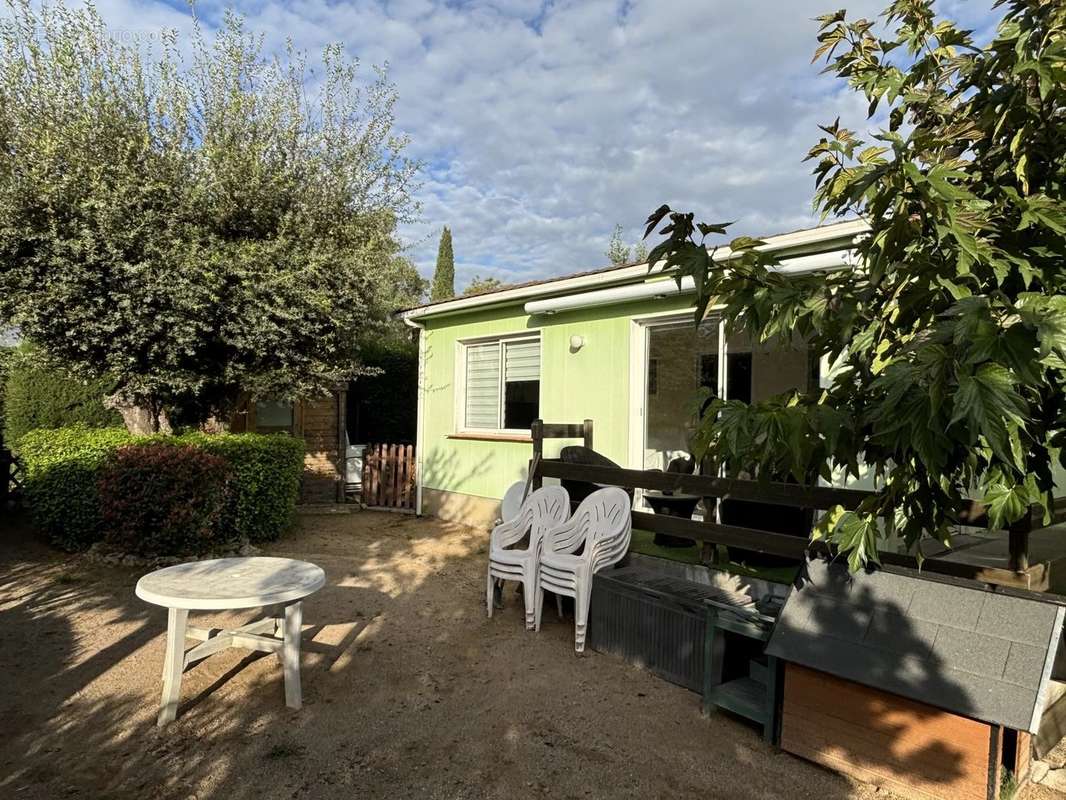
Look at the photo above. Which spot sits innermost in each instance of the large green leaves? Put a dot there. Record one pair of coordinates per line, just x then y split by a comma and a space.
949, 342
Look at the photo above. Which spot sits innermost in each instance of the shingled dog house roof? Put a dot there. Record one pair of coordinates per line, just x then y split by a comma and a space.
977, 653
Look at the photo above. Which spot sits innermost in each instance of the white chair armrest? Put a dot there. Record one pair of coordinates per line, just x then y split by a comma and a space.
507, 533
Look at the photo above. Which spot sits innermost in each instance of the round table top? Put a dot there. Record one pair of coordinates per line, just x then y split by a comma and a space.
225, 583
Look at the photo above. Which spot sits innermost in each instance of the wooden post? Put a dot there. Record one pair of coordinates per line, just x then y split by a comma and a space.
588, 434
536, 431
1019, 543
342, 440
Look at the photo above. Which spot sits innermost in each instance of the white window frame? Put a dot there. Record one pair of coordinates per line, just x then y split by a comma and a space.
460, 380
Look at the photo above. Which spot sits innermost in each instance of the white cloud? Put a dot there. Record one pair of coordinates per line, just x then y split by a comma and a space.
543, 124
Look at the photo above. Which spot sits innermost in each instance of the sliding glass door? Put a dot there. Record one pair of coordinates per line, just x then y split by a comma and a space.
679, 359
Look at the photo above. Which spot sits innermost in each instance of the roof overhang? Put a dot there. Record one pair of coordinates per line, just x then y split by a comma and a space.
839, 235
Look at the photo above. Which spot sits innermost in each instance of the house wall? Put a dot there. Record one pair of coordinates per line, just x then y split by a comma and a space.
592, 383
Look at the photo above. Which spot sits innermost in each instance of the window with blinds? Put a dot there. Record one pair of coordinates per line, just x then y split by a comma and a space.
502, 389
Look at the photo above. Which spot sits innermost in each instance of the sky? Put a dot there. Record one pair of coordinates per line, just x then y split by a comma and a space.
542, 125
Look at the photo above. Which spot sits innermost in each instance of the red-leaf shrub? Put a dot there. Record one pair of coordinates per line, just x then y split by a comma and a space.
163, 499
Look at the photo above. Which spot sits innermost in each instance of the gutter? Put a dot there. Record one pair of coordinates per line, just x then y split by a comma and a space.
420, 414
835, 260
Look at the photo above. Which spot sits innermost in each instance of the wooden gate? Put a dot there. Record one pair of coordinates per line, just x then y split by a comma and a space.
389, 476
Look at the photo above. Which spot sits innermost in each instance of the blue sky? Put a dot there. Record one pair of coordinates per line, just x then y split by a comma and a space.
543, 124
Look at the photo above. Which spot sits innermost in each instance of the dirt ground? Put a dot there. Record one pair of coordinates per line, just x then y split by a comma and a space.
409, 691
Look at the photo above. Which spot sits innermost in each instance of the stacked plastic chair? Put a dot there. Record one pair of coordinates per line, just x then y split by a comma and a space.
543, 510
512, 502
601, 528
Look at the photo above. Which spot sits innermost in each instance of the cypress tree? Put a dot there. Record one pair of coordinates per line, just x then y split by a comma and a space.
444, 275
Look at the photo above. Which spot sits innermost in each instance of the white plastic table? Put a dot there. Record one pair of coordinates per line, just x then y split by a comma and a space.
277, 584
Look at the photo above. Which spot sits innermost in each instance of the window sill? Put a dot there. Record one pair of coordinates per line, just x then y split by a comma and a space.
491, 437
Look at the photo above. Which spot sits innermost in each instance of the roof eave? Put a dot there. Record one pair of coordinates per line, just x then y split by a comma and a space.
842, 231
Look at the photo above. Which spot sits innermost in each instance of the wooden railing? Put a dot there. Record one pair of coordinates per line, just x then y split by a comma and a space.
389, 476
1019, 572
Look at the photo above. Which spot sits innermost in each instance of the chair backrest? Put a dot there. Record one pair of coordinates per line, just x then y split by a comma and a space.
511, 504
610, 519
544, 509
602, 518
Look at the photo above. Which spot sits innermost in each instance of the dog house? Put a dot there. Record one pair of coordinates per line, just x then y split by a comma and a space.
930, 688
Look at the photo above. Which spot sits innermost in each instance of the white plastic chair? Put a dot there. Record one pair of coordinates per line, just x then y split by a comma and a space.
603, 524
543, 510
511, 503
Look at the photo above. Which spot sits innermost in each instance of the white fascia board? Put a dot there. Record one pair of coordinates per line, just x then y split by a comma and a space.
841, 232
821, 262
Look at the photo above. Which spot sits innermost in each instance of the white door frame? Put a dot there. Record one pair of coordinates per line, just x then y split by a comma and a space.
638, 373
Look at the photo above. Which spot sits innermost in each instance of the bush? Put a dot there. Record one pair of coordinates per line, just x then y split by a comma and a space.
383, 407
5, 365
64, 468
35, 397
266, 472
161, 498
62, 476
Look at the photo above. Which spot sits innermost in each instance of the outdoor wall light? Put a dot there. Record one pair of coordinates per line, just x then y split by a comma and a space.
576, 343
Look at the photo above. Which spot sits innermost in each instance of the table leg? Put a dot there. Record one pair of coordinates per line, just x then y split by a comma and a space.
290, 652
276, 614
173, 664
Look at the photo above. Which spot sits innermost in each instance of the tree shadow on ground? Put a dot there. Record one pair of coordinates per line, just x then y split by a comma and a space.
409, 691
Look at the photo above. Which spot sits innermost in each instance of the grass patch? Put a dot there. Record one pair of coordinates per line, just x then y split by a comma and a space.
643, 542
1008, 784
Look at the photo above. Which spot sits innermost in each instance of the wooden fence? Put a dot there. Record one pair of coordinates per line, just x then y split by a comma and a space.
389, 476
1018, 572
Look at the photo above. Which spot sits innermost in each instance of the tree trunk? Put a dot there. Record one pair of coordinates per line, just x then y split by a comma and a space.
140, 420
214, 424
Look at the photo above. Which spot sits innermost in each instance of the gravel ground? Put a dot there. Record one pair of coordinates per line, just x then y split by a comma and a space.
409, 691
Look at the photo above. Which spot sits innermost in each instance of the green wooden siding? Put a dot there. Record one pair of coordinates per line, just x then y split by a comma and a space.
591, 383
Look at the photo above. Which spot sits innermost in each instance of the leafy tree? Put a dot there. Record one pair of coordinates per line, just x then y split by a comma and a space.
406, 287
193, 228
444, 274
382, 407
619, 253
479, 285
949, 341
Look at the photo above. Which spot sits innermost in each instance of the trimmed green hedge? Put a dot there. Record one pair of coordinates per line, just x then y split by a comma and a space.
35, 397
266, 480
64, 468
62, 472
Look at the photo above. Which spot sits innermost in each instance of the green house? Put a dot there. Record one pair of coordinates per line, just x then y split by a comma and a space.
617, 346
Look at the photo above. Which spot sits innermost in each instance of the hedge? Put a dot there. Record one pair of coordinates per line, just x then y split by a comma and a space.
62, 476
163, 498
64, 468
35, 397
266, 480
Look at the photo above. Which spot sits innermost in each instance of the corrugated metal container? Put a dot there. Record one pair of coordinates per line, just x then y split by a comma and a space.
648, 626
